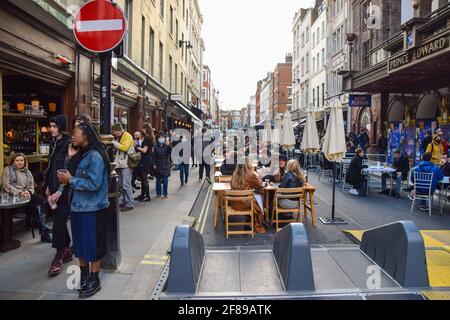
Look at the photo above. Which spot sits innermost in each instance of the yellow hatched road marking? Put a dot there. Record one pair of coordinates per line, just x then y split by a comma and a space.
437, 295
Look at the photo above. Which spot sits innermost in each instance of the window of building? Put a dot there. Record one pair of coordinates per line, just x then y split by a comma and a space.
161, 8
318, 35
143, 43
323, 57
323, 94
307, 62
128, 8
170, 72
176, 78
314, 96
407, 11
177, 28
171, 20
314, 64
307, 34
152, 52
161, 62
323, 29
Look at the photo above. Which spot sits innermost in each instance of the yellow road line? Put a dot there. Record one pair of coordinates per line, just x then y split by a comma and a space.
156, 257
206, 212
155, 263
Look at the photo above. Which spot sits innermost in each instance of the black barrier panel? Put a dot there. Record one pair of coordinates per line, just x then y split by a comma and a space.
398, 248
293, 257
188, 252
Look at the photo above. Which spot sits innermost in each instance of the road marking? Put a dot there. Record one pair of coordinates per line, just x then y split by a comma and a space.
206, 213
156, 257
154, 263
99, 25
197, 226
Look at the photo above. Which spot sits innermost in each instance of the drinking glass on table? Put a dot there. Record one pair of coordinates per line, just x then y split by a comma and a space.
5, 196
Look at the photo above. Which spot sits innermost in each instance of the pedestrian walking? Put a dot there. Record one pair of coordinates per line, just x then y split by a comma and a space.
145, 147
205, 160
57, 195
89, 202
183, 165
436, 149
161, 164
124, 145
18, 181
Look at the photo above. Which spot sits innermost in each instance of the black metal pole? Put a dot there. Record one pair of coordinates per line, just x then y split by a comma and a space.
105, 92
334, 191
113, 255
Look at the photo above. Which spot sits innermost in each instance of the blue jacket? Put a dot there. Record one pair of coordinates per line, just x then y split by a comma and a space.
428, 167
90, 184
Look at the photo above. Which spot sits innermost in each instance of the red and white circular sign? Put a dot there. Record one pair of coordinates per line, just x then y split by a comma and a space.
99, 26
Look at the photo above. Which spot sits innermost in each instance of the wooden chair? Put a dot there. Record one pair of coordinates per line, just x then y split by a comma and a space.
239, 196
291, 194
224, 179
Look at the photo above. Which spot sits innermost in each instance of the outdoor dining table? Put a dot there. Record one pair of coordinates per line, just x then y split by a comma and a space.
380, 169
7, 243
219, 189
308, 192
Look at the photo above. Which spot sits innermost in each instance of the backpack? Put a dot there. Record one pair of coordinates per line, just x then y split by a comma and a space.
134, 158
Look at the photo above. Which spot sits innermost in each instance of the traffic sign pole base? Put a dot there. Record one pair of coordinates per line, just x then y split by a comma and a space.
331, 221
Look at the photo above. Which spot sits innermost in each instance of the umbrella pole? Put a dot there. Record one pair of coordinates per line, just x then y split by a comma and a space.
333, 220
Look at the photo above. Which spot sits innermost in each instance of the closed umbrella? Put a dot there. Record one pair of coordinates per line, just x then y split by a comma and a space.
334, 150
288, 136
310, 141
277, 130
267, 132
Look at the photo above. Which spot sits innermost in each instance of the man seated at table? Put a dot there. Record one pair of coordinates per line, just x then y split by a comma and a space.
229, 165
445, 165
426, 166
401, 166
354, 175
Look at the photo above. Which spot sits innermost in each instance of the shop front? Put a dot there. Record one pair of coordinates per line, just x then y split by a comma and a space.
37, 82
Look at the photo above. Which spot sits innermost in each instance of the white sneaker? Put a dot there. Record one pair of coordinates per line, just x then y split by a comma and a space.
354, 192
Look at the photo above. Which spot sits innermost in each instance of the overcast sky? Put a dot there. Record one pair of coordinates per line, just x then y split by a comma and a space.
244, 40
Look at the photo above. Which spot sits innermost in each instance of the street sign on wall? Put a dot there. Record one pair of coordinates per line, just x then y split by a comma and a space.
360, 101
99, 26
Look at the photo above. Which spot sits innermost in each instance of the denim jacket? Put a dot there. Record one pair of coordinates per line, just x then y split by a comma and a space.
90, 184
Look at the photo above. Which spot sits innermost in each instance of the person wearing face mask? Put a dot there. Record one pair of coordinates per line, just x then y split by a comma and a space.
161, 164
436, 149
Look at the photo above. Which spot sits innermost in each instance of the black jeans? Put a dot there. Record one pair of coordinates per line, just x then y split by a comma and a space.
35, 214
61, 236
207, 170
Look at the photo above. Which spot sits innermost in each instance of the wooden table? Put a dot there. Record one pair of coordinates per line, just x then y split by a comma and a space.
7, 243
219, 189
308, 190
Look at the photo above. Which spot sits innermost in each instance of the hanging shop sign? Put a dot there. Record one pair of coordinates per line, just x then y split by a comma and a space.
419, 53
360, 101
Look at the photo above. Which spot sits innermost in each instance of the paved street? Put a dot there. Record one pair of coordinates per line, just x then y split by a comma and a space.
361, 213
145, 234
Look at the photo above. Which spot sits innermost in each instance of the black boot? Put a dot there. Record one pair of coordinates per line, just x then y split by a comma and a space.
44, 229
91, 287
84, 276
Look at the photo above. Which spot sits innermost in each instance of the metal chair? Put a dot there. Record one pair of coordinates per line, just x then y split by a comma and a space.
422, 181
345, 166
239, 197
321, 166
290, 194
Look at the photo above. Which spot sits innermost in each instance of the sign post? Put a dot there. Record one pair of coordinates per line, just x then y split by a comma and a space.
99, 27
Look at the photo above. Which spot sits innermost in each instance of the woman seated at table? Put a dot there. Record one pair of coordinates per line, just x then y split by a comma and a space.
281, 172
354, 175
293, 179
18, 181
229, 165
445, 165
245, 178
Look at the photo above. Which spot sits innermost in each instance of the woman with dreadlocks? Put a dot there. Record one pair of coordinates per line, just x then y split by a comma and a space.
89, 203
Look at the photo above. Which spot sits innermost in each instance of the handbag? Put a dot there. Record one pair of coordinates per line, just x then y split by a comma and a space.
134, 158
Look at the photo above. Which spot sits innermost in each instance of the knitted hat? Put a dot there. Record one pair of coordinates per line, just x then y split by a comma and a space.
117, 127
61, 122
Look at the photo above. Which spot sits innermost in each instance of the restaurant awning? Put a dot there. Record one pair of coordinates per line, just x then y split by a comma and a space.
185, 109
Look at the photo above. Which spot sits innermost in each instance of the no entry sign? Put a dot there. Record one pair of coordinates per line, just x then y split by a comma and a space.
99, 26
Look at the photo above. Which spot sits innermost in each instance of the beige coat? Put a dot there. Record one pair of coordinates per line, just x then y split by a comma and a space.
24, 182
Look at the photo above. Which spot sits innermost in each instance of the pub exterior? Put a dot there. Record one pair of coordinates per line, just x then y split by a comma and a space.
406, 71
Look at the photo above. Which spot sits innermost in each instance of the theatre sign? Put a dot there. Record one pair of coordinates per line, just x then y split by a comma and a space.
419, 53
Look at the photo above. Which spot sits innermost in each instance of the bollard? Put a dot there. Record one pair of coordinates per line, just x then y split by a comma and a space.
112, 259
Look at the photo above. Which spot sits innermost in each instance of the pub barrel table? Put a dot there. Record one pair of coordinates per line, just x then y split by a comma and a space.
7, 243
